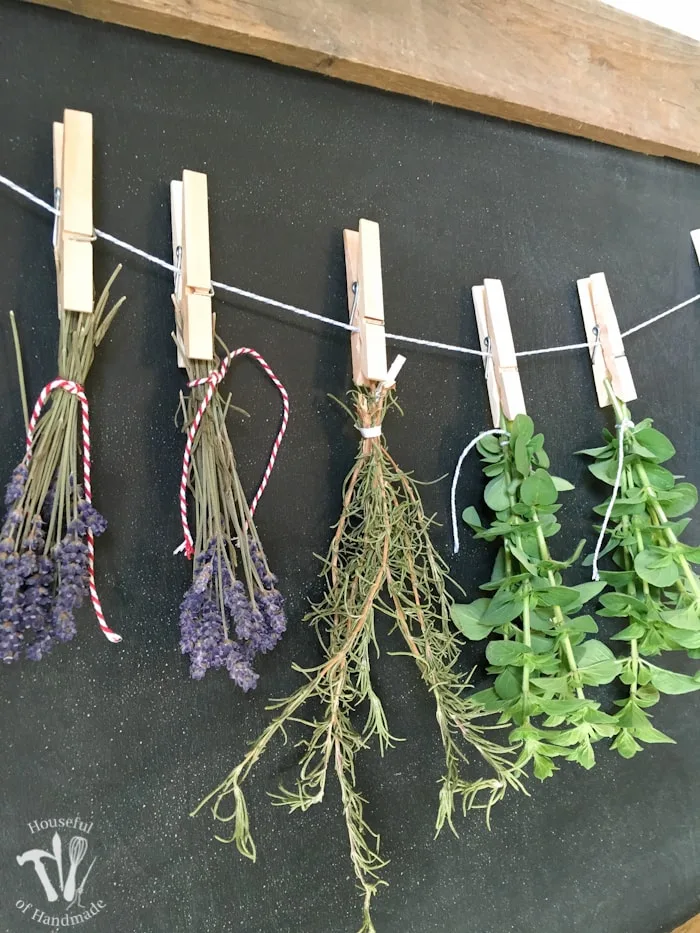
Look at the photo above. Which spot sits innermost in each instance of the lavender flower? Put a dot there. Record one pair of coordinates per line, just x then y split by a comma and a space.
271, 604
91, 518
240, 670
221, 624
40, 592
37, 598
15, 487
201, 633
10, 609
268, 580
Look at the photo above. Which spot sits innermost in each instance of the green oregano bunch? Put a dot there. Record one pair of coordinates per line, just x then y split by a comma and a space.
381, 572
538, 647
655, 592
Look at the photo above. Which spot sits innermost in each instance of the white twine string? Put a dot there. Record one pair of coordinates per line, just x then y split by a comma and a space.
376, 429
623, 426
455, 479
373, 431
312, 315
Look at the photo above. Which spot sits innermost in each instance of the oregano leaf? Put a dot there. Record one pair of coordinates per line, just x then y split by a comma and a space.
656, 566
672, 683
656, 443
681, 499
504, 607
496, 495
562, 485
471, 517
508, 684
504, 653
538, 489
467, 617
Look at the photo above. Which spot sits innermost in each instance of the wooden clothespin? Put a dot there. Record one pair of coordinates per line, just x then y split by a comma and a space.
72, 180
604, 340
194, 320
363, 266
695, 237
501, 366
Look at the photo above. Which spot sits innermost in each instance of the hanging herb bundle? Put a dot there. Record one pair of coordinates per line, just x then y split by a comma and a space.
46, 540
538, 648
654, 590
233, 610
381, 565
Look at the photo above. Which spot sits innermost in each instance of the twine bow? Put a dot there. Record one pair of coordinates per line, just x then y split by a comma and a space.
212, 381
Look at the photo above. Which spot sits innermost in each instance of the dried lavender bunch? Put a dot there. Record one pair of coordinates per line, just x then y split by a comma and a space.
233, 610
43, 540
381, 563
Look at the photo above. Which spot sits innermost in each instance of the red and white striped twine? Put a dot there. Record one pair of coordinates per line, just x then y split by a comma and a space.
212, 381
75, 389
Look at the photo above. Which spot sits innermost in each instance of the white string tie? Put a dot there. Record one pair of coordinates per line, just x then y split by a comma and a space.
374, 430
455, 479
623, 426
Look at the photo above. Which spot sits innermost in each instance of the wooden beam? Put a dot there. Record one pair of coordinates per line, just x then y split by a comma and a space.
692, 926
576, 66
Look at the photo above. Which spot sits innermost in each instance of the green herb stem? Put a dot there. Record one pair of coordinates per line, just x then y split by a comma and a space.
527, 640
20, 369
667, 532
380, 564
557, 612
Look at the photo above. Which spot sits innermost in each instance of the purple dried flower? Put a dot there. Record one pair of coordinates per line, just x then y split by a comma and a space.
268, 579
203, 578
221, 625
241, 611
91, 518
12, 522
240, 670
71, 557
271, 604
40, 647
10, 608
63, 620
37, 597
10, 642
15, 487
202, 633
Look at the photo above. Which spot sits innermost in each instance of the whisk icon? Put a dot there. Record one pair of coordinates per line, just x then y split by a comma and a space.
77, 848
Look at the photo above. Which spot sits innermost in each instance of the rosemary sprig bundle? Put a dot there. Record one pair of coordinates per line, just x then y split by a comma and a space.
233, 610
381, 563
44, 538
654, 589
543, 658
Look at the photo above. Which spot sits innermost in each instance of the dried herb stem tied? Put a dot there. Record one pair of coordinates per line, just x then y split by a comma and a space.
653, 590
233, 611
539, 647
43, 539
381, 569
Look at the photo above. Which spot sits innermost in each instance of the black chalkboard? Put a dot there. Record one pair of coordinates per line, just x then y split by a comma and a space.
119, 735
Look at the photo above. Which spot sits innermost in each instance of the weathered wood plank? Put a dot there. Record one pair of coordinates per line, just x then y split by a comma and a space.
577, 66
692, 926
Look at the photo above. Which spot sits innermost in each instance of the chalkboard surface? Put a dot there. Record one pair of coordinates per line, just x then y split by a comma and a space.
119, 736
